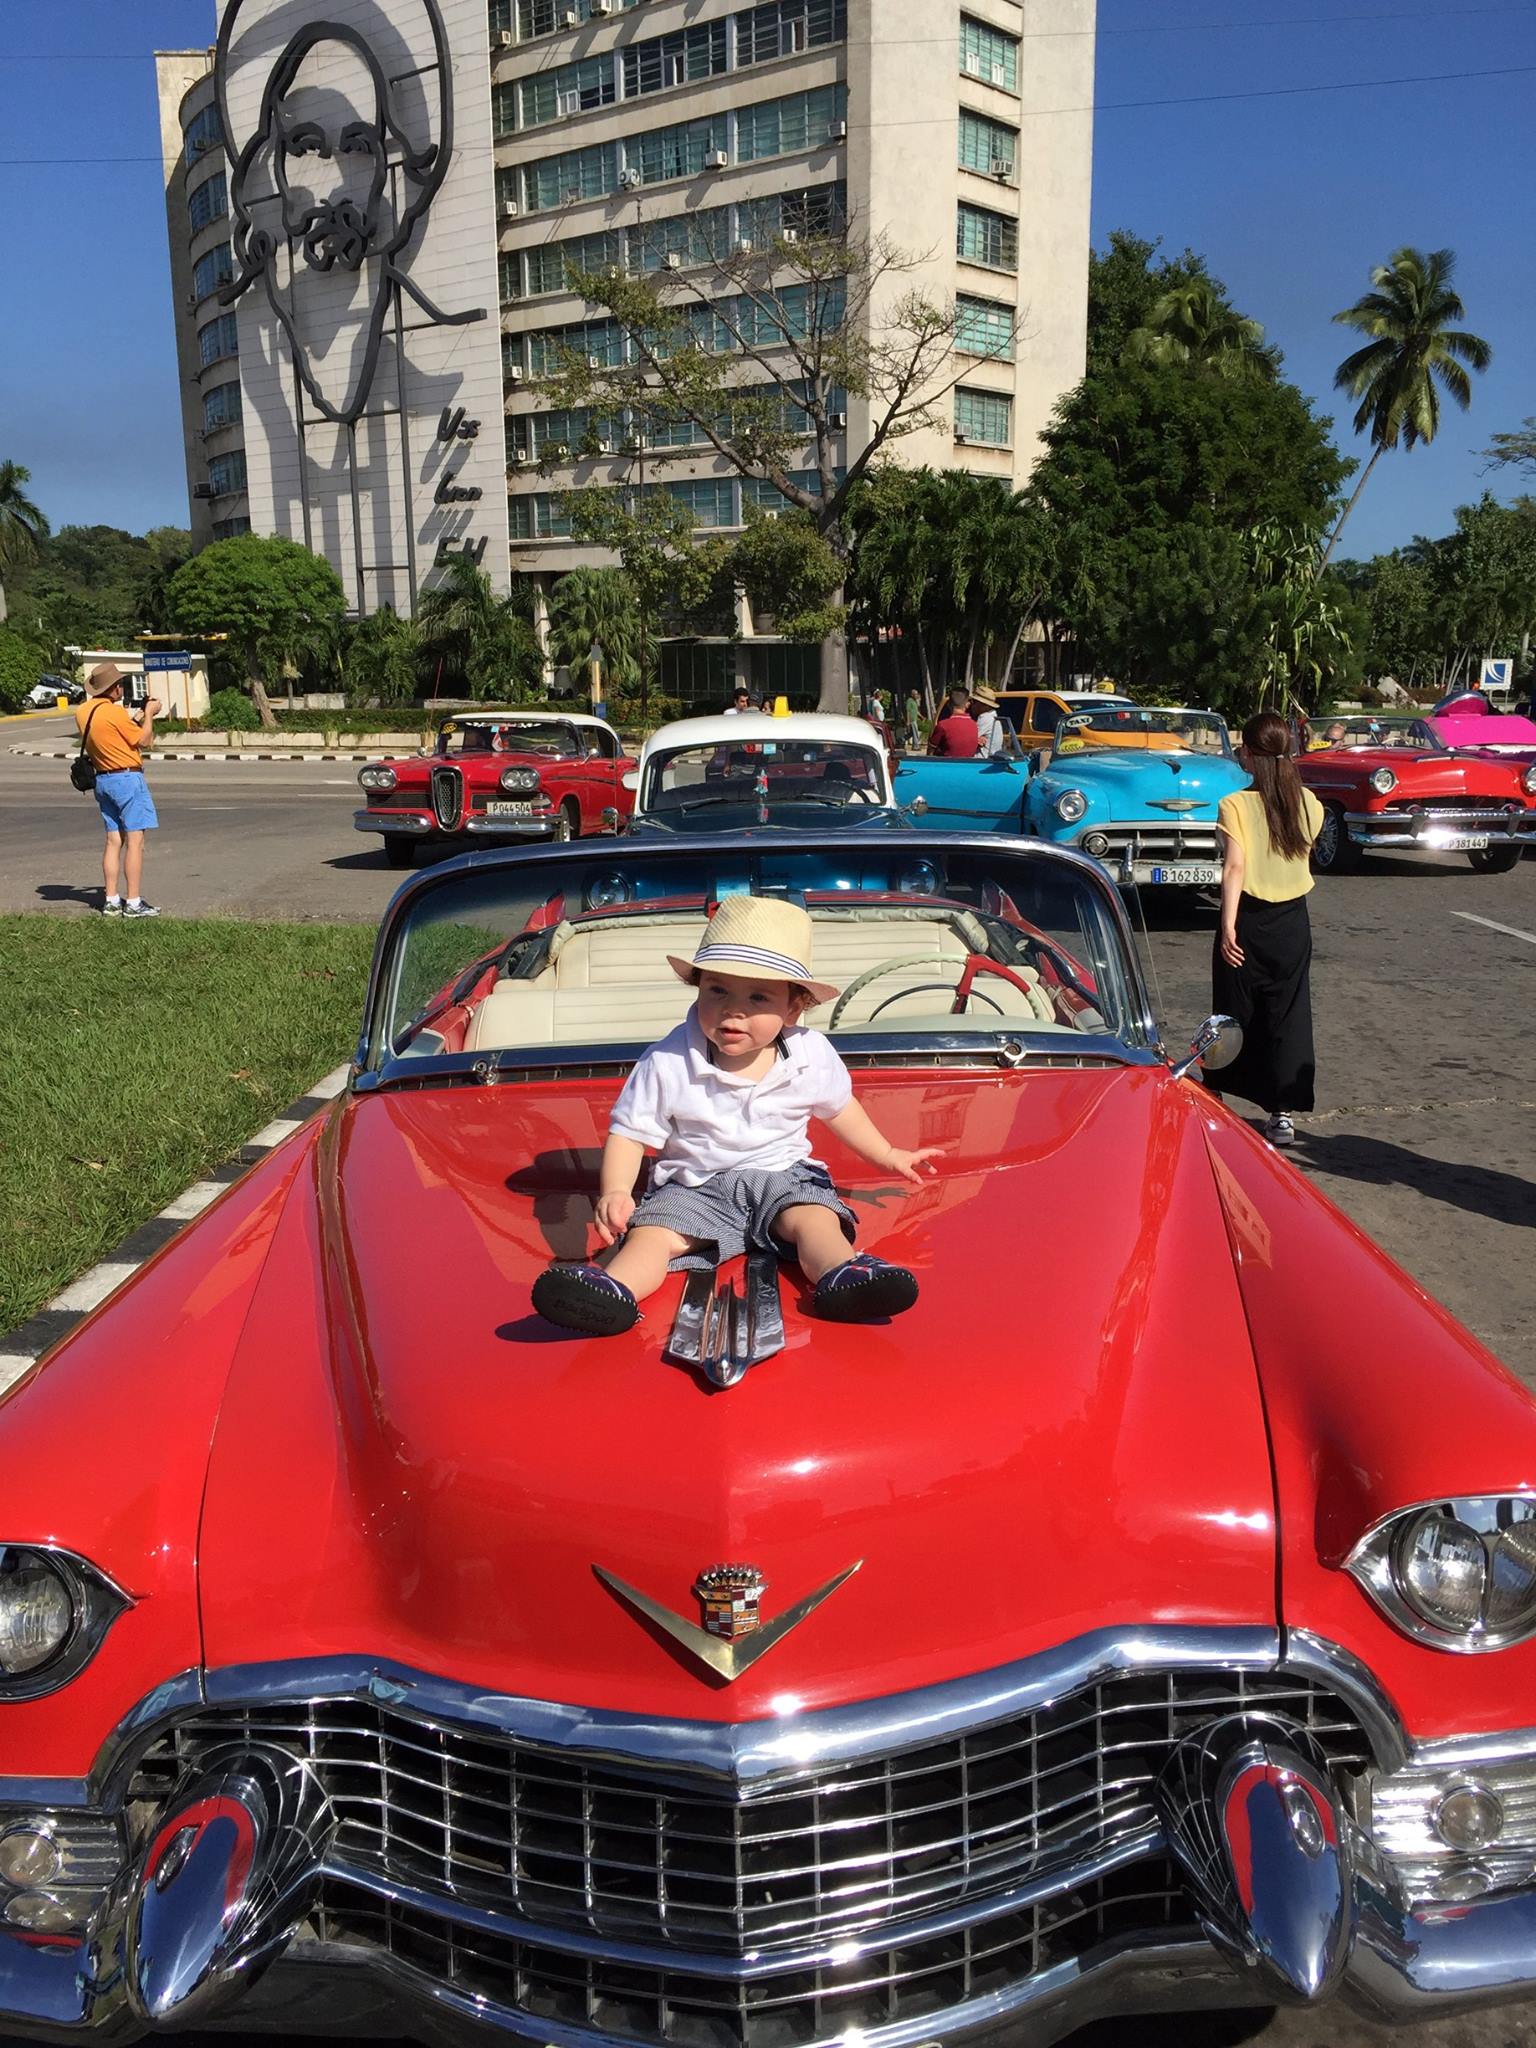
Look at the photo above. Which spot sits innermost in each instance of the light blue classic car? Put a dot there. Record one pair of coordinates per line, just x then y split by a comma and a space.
1137, 788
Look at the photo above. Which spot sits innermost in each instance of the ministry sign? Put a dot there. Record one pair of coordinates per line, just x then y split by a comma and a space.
364, 241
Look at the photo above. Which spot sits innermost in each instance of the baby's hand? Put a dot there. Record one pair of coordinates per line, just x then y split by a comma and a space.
613, 1214
909, 1164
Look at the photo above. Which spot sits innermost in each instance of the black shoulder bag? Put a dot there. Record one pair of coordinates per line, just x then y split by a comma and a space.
82, 773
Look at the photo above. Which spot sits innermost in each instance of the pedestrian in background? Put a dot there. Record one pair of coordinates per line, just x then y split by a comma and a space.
1261, 967
954, 730
991, 727
912, 722
114, 742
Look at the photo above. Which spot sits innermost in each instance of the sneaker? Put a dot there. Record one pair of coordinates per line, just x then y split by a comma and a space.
1280, 1131
140, 909
112, 906
861, 1289
585, 1298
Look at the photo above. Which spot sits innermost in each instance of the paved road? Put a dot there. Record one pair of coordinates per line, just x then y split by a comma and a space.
1425, 1102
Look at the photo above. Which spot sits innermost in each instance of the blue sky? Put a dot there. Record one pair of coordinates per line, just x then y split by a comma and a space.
1291, 198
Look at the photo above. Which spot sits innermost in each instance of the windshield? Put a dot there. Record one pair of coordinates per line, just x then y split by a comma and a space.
527, 954
508, 736
1141, 725
772, 771
1383, 732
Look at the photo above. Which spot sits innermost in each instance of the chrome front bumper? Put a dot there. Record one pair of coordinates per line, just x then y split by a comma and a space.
1433, 831
422, 825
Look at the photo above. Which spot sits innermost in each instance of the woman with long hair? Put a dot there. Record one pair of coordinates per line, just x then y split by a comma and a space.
1261, 965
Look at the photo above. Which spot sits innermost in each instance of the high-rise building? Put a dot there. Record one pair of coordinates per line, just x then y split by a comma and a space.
404, 192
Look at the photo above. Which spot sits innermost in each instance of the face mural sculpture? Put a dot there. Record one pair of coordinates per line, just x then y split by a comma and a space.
328, 192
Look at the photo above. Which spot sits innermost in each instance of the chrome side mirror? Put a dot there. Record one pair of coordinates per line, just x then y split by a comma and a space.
1219, 1030
918, 805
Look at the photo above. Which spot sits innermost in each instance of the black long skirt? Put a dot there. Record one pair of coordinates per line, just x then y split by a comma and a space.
1270, 995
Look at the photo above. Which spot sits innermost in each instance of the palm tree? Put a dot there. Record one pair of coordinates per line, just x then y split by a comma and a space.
22, 525
483, 643
596, 609
1194, 324
1413, 353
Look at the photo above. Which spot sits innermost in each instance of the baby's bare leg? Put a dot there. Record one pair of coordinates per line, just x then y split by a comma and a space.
641, 1261
815, 1236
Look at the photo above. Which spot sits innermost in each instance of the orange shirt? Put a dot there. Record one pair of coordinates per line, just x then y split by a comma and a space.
115, 736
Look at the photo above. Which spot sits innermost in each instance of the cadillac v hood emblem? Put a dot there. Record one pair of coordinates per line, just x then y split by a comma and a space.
734, 1635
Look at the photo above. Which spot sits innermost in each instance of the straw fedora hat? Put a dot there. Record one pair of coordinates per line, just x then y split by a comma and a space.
105, 676
760, 938
984, 693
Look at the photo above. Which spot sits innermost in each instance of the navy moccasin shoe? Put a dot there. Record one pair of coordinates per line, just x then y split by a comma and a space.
585, 1298
863, 1289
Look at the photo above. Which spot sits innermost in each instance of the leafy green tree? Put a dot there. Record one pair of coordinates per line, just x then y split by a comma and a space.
1192, 323
272, 597
480, 643
23, 526
21, 663
383, 658
1312, 627
820, 323
594, 620
1412, 355
792, 575
1125, 282
1516, 450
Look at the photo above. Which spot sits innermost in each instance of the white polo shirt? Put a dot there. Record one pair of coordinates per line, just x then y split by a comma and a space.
704, 1120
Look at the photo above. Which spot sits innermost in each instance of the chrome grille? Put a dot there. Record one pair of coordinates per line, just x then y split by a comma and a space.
1161, 842
686, 1862
913, 1981
448, 797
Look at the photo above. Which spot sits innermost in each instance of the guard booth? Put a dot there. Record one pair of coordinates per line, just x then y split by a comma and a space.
176, 676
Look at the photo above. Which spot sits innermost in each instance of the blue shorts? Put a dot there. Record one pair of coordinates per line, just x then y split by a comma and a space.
124, 801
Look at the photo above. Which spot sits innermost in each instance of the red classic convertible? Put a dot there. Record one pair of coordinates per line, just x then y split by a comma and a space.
1391, 785
1158, 1633
498, 776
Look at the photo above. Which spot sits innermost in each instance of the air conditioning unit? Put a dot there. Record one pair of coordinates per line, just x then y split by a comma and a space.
192, 298
606, 448
837, 131
602, 7
555, 451
672, 260
790, 235
510, 209
570, 18
568, 103
998, 75
961, 437
503, 39
202, 490
716, 159
594, 362
1002, 167
513, 373
837, 421
743, 247
630, 181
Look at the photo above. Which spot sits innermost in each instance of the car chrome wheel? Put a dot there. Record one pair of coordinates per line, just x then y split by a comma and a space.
1495, 860
1333, 850
567, 824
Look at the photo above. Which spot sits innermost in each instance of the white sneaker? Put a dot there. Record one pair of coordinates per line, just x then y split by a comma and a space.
140, 909
112, 906
1279, 1130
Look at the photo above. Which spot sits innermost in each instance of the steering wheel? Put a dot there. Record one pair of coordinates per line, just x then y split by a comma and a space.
961, 989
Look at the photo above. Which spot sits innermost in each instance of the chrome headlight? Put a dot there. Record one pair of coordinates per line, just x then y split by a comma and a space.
1528, 781
54, 1611
520, 781
377, 778
1071, 805
606, 890
921, 878
1457, 1574
1383, 781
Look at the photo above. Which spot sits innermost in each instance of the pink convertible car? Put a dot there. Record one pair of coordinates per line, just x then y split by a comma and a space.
1468, 721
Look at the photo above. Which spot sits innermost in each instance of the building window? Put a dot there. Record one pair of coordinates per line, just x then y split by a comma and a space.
538, 515
759, 491
570, 89
982, 236
545, 267
600, 342
984, 327
203, 133
985, 417
780, 127
543, 17
710, 499
578, 174
680, 152
500, 13
509, 267
987, 146
208, 201
785, 27
702, 237
226, 473
533, 436
227, 529
222, 407
987, 53
212, 270
678, 59
218, 339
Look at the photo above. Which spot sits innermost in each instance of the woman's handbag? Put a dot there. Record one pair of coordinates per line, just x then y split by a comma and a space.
82, 773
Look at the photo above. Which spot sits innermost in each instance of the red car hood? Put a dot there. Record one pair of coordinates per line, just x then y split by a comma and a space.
1418, 775
1064, 1435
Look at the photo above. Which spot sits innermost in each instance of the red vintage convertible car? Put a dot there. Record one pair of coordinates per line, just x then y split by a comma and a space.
1156, 1632
1391, 785
499, 776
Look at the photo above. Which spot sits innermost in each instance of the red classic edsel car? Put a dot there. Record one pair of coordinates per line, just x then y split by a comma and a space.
499, 776
1393, 786
1160, 1633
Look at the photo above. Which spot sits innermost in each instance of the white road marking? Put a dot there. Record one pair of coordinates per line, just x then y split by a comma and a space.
192, 1201
274, 1133
332, 1084
1509, 930
12, 1365
93, 1287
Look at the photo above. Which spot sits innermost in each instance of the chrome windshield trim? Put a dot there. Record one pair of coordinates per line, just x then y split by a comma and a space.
1142, 1025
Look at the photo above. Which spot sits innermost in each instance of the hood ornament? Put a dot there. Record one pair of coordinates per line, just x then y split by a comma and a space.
734, 1635
1175, 803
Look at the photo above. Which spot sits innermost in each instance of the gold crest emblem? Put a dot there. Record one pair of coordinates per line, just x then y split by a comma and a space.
734, 1634
731, 1595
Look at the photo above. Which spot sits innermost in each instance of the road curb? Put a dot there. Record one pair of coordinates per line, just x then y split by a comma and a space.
160, 760
22, 1347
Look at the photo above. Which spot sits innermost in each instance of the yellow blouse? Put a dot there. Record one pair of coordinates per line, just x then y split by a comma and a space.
1267, 874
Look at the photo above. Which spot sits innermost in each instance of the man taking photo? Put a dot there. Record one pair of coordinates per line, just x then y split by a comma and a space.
114, 743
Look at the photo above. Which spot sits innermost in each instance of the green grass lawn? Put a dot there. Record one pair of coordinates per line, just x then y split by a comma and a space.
133, 1057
